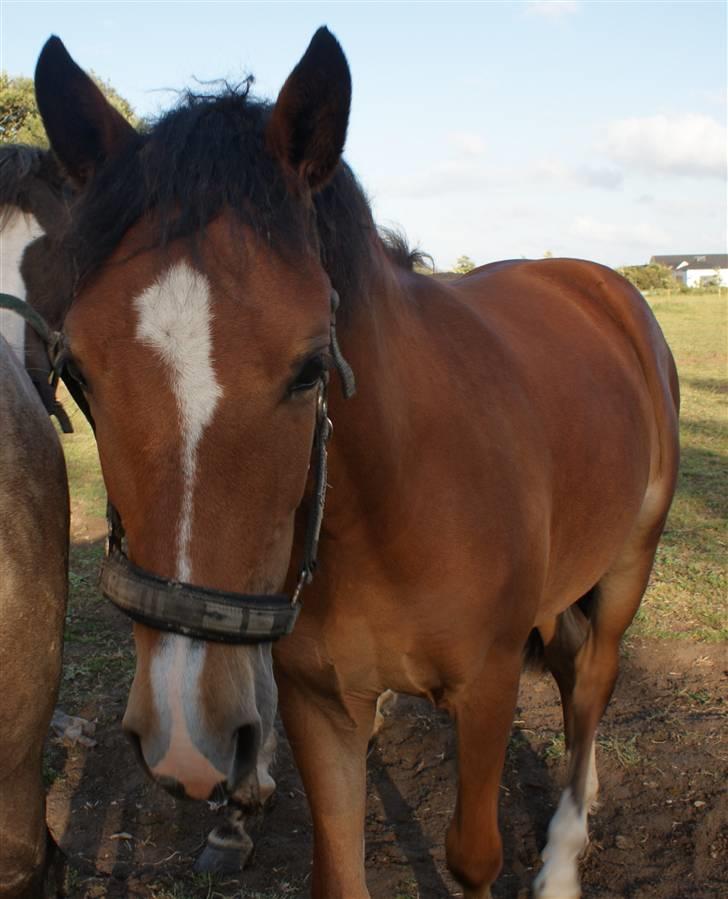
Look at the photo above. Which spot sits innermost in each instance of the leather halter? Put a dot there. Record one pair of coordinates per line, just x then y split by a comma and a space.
196, 611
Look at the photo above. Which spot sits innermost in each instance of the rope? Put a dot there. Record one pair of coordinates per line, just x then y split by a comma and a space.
33, 318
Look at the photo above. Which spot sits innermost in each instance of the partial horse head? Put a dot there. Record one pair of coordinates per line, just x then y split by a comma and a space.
35, 197
200, 325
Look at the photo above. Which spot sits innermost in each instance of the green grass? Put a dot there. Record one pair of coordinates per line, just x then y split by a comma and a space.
689, 586
556, 748
82, 462
688, 594
625, 752
95, 657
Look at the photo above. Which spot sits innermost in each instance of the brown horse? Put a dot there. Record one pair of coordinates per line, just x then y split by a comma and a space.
33, 578
34, 517
503, 472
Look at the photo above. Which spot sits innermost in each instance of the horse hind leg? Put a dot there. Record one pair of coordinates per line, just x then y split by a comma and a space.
560, 658
586, 676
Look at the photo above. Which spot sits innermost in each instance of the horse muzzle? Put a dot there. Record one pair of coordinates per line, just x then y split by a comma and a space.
188, 773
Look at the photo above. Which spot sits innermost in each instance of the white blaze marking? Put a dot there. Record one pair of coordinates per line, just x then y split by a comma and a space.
17, 231
559, 877
175, 672
174, 318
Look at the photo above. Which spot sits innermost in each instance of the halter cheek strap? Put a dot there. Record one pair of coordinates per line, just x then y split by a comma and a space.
53, 341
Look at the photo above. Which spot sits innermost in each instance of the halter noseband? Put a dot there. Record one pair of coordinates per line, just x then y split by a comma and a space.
187, 609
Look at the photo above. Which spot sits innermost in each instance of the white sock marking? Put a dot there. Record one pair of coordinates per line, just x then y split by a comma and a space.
174, 318
559, 877
17, 230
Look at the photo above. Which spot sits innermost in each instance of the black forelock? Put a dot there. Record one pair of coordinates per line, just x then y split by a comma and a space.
208, 155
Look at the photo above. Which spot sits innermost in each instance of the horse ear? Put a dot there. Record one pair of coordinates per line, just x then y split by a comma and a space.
307, 127
83, 128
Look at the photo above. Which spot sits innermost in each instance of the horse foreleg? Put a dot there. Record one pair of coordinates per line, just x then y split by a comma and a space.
329, 739
595, 668
484, 714
30, 862
228, 845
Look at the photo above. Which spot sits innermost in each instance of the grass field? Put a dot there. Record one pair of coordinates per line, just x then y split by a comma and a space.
689, 588
688, 595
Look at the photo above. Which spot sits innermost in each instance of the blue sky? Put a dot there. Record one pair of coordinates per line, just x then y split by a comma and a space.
496, 130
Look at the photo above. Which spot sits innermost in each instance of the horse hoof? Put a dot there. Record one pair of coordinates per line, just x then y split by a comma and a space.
223, 860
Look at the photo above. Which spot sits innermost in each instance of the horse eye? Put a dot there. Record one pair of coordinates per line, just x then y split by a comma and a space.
310, 374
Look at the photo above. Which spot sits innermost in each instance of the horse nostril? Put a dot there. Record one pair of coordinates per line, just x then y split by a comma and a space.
247, 742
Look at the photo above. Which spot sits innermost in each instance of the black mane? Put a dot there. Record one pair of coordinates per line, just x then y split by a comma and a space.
401, 253
209, 154
31, 180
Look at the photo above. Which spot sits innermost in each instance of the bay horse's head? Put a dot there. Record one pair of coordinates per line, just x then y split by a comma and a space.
200, 328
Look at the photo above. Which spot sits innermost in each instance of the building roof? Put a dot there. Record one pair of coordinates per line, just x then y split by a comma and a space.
693, 260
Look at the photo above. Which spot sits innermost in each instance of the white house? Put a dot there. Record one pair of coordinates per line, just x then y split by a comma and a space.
695, 271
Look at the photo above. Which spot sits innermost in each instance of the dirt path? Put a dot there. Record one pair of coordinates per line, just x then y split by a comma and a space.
662, 829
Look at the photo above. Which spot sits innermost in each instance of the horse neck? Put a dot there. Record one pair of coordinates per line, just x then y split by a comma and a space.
371, 430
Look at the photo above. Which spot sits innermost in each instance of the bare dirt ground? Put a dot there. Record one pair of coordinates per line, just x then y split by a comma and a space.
661, 831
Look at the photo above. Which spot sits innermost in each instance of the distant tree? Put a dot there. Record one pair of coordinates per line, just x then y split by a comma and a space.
649, 277
463, 265
548, 254
20, 121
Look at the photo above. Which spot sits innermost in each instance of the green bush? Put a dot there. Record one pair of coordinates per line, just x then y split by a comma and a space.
650, 277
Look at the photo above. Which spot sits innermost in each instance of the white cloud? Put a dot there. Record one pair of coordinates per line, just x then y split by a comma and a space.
608, 177
639, 233
718, 97
469, 174
605, 176
452, 176
552, 8
467, 142
690, 144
